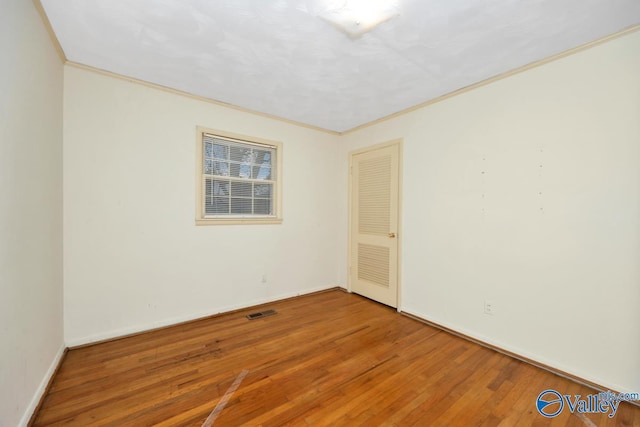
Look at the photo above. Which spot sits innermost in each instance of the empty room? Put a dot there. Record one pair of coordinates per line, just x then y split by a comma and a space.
320, 212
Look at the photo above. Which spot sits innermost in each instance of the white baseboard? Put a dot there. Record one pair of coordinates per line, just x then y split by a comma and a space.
552, 366
75, 342
42, 388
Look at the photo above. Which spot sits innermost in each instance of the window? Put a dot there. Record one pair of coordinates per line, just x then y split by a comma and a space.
238, 179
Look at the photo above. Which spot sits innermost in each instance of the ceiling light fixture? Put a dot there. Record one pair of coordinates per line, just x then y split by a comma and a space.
356, 17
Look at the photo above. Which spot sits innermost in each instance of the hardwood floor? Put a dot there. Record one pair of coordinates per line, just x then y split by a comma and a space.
326, 359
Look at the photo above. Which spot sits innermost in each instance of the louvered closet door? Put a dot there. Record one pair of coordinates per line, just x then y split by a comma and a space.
374, 224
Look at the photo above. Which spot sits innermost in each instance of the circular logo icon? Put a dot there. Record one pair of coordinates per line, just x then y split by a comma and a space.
549, 403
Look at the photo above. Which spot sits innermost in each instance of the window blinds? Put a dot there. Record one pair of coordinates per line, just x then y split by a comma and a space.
239, 178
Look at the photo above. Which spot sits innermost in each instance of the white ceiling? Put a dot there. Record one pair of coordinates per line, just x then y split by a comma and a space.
278, 57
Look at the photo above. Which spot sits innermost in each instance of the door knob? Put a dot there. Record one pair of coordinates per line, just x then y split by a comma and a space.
392, 235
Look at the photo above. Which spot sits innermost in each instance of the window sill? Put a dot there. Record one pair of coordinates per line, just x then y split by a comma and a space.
237, 221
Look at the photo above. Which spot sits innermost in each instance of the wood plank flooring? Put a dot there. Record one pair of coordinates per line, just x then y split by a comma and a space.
325, 359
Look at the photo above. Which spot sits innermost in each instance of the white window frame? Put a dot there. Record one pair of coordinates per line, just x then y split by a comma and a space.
276, 179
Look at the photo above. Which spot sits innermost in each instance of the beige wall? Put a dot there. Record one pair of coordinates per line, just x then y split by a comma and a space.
31, 338
134, 258
526, 192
